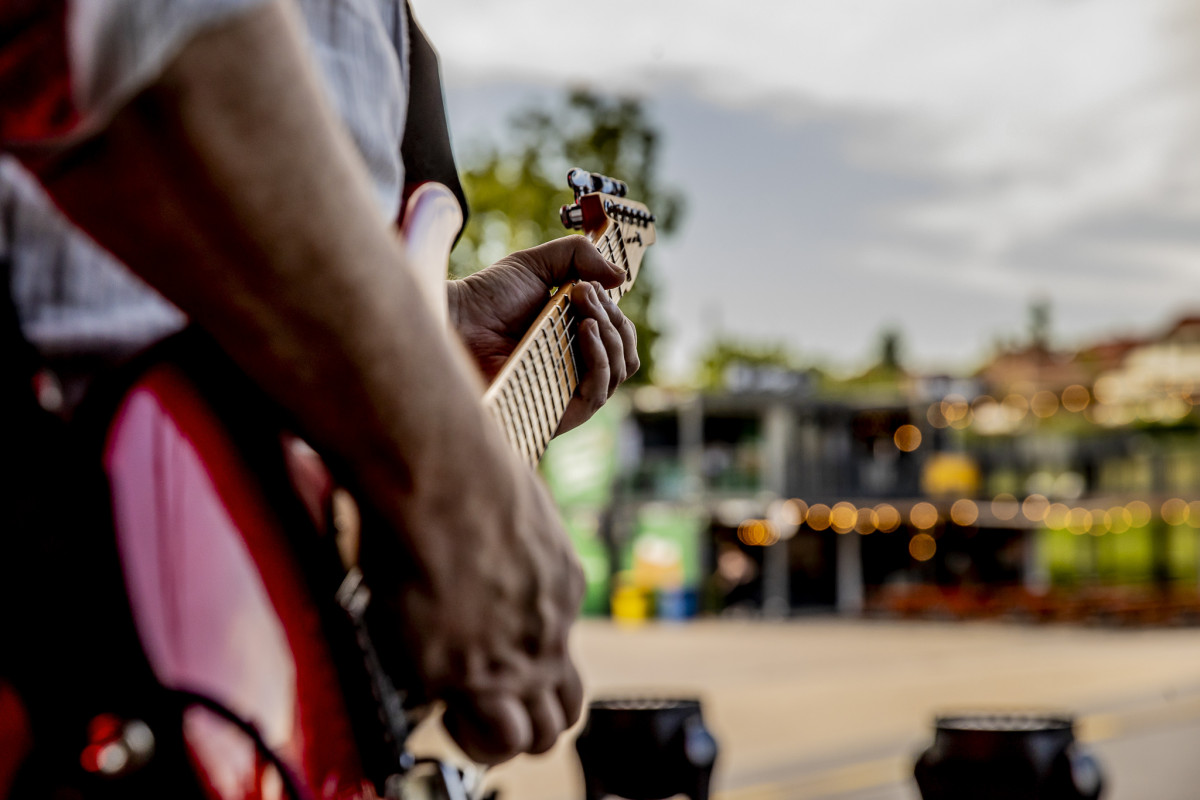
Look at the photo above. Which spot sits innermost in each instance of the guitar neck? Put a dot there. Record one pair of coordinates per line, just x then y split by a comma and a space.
530, 394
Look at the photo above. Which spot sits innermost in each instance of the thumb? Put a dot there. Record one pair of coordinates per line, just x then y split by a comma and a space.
572, 258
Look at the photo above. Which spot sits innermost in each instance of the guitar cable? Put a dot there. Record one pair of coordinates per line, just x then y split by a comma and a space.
293, 785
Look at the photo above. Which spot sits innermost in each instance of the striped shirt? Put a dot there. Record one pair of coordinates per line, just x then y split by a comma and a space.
69, 65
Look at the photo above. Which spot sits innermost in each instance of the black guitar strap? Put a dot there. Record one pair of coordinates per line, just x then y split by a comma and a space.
426, 147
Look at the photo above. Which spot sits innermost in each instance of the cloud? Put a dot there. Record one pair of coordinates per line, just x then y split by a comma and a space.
1052, 143
1036, 113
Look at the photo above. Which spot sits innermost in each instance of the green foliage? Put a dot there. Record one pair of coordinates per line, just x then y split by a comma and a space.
723, 353
515, 189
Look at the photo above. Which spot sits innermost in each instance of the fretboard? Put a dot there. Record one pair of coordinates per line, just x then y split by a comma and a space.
530, 394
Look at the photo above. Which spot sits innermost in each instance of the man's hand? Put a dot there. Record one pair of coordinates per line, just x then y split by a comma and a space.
487, 612
492, 309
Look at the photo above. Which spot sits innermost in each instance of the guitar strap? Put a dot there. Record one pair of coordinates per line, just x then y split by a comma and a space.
426, 147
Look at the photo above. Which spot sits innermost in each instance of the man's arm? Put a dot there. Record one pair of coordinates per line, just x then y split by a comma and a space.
229, 186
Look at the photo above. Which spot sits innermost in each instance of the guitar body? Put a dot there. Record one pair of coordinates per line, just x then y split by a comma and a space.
229, 562
239, 568
220, 600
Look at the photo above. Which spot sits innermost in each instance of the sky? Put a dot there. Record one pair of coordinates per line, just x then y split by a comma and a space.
852, 166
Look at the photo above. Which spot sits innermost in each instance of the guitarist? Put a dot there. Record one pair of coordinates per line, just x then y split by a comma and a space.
242, 157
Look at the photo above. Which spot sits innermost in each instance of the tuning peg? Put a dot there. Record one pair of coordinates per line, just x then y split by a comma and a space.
571, 216
610, 185
582, 182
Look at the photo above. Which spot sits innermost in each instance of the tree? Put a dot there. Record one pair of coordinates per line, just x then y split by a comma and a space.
515, 189
1039, 324
889, 350
723, 353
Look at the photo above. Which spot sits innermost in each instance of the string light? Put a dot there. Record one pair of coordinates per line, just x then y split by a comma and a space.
922, 547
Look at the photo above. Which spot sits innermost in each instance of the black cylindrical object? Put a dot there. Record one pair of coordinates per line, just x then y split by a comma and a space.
1007, 756
646, 749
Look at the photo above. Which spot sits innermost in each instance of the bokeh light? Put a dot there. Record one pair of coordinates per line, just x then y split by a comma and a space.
1140, 513
964, 512
923, 515
887, 517
935, 416
1174, 511
793, 511
907, 438
818, 517
955, 408
1056, 516
1005, 506
843, 517
1075, 398
1079, 521
757, 533
867, 521
1016, 406
1034, 507
1044, 404
922, 547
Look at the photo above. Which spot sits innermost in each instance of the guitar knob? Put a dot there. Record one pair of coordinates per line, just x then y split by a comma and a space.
571, 216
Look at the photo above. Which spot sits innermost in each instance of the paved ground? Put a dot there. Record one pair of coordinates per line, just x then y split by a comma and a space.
823, 709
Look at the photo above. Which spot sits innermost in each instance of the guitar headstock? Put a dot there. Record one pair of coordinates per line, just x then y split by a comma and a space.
620, 228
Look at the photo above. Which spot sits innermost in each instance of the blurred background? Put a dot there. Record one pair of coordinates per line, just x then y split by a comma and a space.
921, 347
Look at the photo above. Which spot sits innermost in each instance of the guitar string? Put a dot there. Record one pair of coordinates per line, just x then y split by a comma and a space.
523, 369
514, 416
547, 359
527, 404
541, 421
543, 382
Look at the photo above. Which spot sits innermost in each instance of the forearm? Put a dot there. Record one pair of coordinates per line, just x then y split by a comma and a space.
230, 187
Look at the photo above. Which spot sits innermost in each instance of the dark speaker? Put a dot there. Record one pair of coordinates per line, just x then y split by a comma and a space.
1007, 756
646, 749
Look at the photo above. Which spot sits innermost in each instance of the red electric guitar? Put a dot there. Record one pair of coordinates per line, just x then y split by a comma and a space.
237, 548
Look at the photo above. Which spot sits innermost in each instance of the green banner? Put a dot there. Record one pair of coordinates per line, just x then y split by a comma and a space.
580, 465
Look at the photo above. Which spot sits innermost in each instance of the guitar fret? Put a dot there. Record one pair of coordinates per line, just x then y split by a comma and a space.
560, 359
514, 427
614, 237
566, 357
610, 255
615, 230
522, 442
562, 381
573, 367
624, 260
543, 412
527, 404
504, 412
527, 439
546, 362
